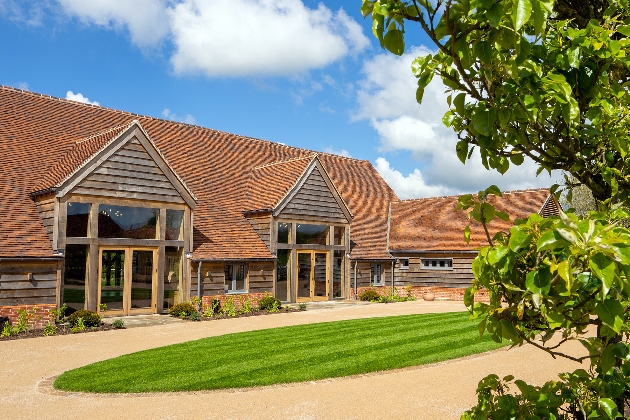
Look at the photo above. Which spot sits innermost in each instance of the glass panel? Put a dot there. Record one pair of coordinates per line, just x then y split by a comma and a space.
240, 277
282, 275
78, 217
319, 275
127, 222
74, 276
172, 275
235, 277
376, 274
337, 274
112, 279
174, 219
311, 234
339, 235
141, 279
304, 276
229, 275
284, 232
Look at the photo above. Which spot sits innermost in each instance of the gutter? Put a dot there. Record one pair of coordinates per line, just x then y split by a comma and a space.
231, 259
199, 279
31, 258
416, 251
355, 279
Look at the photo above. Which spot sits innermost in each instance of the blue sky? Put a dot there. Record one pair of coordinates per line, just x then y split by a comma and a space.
300, 72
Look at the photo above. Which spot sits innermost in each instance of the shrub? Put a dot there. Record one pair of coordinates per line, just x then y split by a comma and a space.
22, 323
369, 295
246, 305
78, 326
7, 330
211, 310
118, 324
302, 306
195, 316
90, 319
182, 310
268, 302
229, 307
50, 329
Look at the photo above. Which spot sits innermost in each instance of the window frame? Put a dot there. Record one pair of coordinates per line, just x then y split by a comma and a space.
447, 267
231, 290
373, 275
404, 264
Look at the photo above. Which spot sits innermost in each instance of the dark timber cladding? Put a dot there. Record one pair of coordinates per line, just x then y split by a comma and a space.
416, 275
46, 209
28, 282
314, 200
262, 226
129, 173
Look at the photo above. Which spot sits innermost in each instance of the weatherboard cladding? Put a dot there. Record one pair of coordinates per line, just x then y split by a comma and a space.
434, 224
37, 132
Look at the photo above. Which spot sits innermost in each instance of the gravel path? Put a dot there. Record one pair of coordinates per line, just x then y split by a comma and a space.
439, 391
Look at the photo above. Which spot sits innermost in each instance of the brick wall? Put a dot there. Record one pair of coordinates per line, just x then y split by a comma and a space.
39, 315
237, 299
449, 293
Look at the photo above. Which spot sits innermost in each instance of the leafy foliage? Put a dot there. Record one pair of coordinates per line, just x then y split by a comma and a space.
182, 310
268, 302
88, 318
546, 80
369, 295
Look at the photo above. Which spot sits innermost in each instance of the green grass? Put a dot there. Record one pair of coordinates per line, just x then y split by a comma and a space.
288, 354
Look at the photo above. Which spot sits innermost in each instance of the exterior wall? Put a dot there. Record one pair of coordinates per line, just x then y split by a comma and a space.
262, 226
206, 301
260, 279
460, 276
364, 274
129, 173
46, 209
314, 200
419, 292
38, 315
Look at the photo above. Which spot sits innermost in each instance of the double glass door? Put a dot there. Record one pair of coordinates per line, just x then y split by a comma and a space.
127, 280
312, 275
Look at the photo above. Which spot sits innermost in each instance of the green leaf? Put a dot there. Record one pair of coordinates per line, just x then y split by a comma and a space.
366, 8
483, 50
604, 269
574, 57
625, 30
517, 159
518, 239
538, 282
610, 311
394, 41
462, 150
551, 240
419, 94
609, 407
608, 359
483, 121
521, 11
555, 319
540, 17
467, 234
503, 216
459, 102
497, 253
494, 14
493, 189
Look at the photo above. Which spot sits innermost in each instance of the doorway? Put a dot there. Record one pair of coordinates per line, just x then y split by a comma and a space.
127, 280
312, 275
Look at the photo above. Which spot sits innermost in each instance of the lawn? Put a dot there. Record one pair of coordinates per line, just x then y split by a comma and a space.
288, 354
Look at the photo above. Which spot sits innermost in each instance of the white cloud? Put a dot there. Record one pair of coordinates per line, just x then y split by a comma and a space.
23, 86
31, 13
188, 119
333, 151
79, 98
146, 20
386, 97
271, 37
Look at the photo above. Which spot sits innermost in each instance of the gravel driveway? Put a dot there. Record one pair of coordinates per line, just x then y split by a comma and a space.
439, 391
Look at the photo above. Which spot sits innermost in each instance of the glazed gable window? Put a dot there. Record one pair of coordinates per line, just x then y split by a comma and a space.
235, 278
127, 222
78, 220
311, 234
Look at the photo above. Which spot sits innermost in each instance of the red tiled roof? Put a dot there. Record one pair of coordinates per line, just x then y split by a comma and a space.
38, 133
282, 175
434, 224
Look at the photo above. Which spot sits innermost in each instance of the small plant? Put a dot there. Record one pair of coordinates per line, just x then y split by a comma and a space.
230, 307
275, 307
195, 316
302, 306
79, 325
267, 302
369, 295
409, 292
212, 310
182, 310
118, 324
102, 307
50, 329
196, 302
7, 331
246, 305
57, 314
22, 324
89, 318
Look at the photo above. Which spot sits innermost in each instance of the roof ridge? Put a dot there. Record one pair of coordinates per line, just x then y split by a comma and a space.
110, 130
280, 162
460, 195
28, 92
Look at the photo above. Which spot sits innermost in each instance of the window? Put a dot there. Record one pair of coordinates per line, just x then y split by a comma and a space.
172, 275
174, 220
377, 274
282, 271
78, 217
404, 264
338, 236
284, 232
438, 264
311, 234
235, 276
337, 273
75, 273
127, 222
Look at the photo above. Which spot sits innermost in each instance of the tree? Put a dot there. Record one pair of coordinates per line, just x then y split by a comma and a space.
545, 80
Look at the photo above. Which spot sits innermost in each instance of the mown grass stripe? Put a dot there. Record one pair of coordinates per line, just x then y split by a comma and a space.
286, 354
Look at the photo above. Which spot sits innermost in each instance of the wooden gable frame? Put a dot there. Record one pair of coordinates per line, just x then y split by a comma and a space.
315, 163
136, 131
